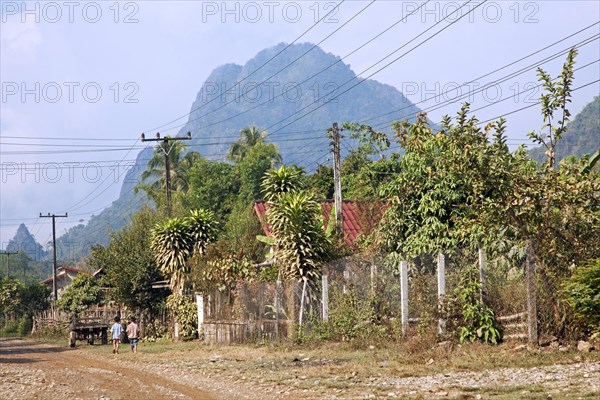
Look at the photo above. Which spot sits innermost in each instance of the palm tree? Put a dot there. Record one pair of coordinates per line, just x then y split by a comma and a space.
173, 243
249, 137
296, 224
176, 240
278, 181
172, 246
301, 244
179, 166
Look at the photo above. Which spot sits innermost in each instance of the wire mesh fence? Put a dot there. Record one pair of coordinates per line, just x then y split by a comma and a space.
360, 297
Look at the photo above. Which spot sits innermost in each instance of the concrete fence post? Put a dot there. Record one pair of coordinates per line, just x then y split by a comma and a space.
200, 306
441, 281
404, 296
325, 297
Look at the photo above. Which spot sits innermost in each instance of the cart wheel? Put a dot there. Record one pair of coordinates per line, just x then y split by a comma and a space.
72, 337
104, 336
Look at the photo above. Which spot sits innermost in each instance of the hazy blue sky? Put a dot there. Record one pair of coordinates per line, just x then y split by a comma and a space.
111, 70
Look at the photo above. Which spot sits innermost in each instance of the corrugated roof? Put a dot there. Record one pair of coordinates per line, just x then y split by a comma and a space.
61, 271
359, 217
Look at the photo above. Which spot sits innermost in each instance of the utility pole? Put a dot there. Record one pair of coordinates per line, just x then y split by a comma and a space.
337, 183
166, 149
8, 253
54, 216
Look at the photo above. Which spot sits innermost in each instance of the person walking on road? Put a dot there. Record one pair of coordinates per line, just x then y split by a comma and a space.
116, 331
132, 334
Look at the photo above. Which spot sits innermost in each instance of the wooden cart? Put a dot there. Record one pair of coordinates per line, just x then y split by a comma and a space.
88, 328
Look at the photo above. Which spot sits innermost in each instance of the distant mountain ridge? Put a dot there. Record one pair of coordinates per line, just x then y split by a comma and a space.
25, 242
290, 91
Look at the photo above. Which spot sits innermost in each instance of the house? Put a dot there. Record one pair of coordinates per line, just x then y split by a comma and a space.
64, 278
359, 217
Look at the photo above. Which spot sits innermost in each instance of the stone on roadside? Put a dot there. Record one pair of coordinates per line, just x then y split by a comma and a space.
446, 344
547, 340
584, 346
520, 347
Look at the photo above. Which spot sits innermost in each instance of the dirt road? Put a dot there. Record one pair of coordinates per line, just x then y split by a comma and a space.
192, 370
31, 370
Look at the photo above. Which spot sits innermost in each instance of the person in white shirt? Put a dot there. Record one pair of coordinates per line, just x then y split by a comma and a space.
116, 331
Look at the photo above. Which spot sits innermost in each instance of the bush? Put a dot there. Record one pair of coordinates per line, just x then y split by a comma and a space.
582, 293
185, 312
25, 325
18, 327
478, 320
352, 317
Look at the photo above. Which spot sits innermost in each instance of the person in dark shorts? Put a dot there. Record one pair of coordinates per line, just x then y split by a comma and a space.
132, 334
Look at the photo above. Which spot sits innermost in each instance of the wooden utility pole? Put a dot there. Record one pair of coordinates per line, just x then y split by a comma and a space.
8, 253
337, 182
54, 216
166, 149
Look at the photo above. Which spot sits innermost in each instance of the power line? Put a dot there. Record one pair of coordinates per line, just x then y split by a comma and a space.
535, 104
65, 138
284, 92
487, 85
496, 118
379, 70
75, 206
496, 70
201, 144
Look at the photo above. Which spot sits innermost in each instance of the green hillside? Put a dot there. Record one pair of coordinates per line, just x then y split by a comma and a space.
582, 136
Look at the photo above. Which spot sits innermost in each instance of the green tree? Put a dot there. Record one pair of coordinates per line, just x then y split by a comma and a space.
128, 264
277, 182
242, 225
459, 188
582, 292
213, 186
83, 293
251, 169
320, 183
249, 137
34, 298
554, 100
362, 175
9, 296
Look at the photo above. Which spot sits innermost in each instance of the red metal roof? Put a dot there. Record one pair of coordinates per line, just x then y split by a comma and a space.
359, 217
